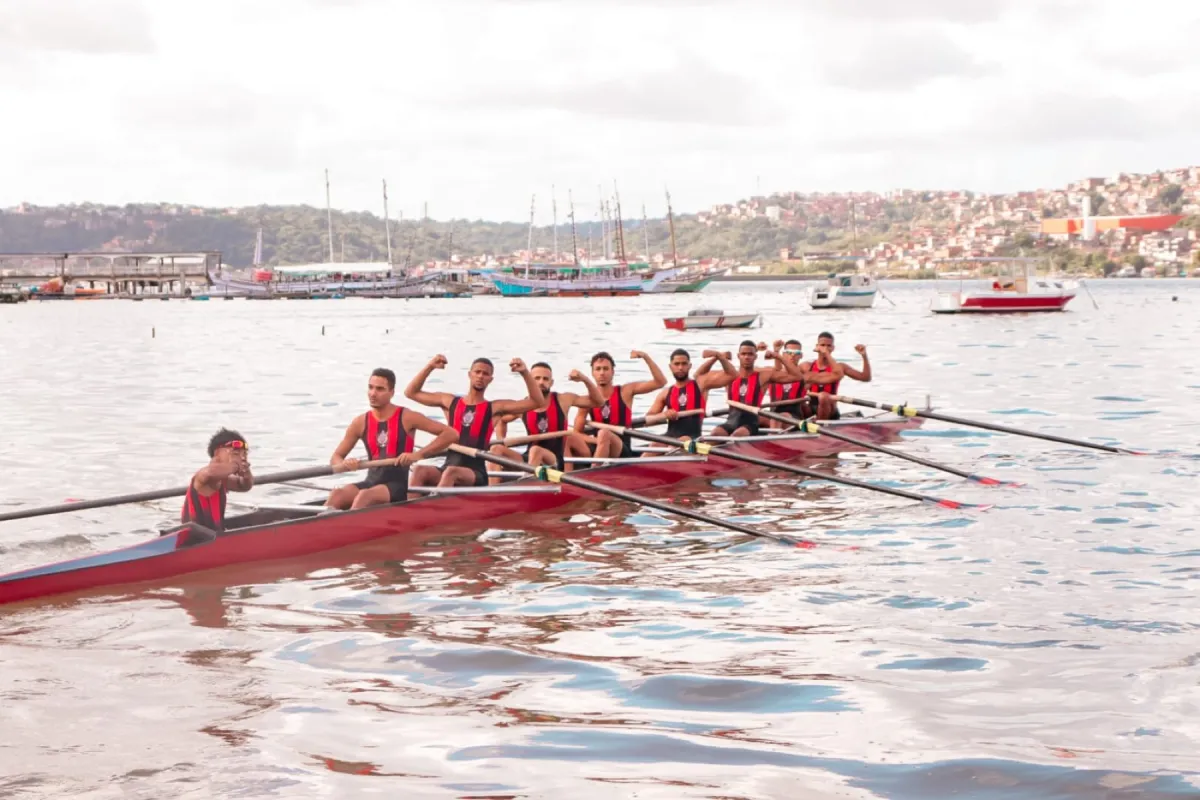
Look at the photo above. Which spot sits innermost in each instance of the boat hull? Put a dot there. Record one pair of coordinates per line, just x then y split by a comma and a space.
257, 537
998, 302
839, 297
710, 321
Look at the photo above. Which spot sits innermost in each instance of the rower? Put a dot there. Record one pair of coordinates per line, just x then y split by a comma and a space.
551, 418
690, 394
788, 393
472, 416
386, 431
228, 470
824, 375
617, 408
749, 385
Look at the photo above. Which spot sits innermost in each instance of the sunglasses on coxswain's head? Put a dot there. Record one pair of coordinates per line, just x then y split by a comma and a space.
237, 444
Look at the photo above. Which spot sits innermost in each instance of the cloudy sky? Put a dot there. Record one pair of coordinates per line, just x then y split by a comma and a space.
474, 105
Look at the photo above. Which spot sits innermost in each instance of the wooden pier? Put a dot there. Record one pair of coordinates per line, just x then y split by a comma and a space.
116, 272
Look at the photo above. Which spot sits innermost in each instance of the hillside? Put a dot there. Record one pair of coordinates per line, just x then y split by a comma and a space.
903, 229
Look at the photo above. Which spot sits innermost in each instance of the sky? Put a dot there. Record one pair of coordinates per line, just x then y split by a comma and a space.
476, 106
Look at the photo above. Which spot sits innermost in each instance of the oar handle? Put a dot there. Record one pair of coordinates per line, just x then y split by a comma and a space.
659, 418
513, 441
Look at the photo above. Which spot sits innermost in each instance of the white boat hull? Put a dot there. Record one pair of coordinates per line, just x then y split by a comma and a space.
710, 321
841, 297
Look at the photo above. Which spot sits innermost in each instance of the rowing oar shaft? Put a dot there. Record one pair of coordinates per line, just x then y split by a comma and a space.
513, 441
555, 476
809, 427
907, 411
658, 419
702, 448
180, 491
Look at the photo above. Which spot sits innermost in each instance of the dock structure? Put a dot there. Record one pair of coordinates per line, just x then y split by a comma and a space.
118, 272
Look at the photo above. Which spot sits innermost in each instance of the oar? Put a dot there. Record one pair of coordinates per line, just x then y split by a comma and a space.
159, 494
807, 426
514, 441
906, 411
555, 476
703, 448
660, 418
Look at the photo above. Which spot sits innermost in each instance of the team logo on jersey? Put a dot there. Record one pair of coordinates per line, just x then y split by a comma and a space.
742, 391
680, 395
543, 424
604, 410
469, 417
381, 441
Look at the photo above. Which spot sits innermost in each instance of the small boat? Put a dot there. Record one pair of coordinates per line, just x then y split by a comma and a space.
848, 290
1007, 295
272, 532
709, 318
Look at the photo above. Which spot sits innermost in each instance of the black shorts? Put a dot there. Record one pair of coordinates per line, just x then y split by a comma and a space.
555, 446
476, 465
626, 448
397, 490
741, 419
810, 408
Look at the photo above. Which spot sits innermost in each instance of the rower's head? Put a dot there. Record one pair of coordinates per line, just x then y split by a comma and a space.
543, 376
793, 348
602, 368
681, 364
481, 373
747, 354
825, 344
228, 446
380, 388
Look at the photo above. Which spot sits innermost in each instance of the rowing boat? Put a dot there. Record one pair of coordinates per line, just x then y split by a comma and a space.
271, 532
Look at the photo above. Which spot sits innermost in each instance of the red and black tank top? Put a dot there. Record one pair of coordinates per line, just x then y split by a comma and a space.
747, 390
207, 511
386, 438
614, 411
788, 391
829, 388
686, 398
473, 423
550, 420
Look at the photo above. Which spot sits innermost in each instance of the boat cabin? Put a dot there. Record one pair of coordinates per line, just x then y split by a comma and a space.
705, 312
851, 280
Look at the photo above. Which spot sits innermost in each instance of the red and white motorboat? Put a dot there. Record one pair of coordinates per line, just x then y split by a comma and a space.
1024, 293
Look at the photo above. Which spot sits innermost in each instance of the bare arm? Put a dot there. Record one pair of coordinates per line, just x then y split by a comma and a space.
593, 398
535, 399
416, 388
660, 402
657, 379
864, 374
443, 437
709, 380
235, 476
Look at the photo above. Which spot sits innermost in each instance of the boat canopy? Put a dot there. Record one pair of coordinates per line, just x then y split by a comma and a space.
705, 312
339, 268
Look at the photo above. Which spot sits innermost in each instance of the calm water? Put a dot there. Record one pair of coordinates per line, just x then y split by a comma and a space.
1049, 648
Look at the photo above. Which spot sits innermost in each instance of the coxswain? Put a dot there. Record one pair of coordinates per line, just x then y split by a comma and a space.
750, 384
386, 431
824, 375
228, 470
690, 394
788, 393
617, 408
551, 418
472, 415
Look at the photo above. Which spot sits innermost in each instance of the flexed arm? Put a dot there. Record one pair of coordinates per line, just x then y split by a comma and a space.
416, 387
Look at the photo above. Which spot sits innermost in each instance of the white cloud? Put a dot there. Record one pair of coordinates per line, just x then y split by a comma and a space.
473, 105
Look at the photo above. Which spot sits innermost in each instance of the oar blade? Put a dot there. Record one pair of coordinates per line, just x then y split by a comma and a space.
958, 505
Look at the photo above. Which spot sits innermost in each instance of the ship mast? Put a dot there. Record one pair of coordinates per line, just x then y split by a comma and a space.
671, 222
329, 215
620, 225
387, 223
554, 215
574, 236
646, 233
